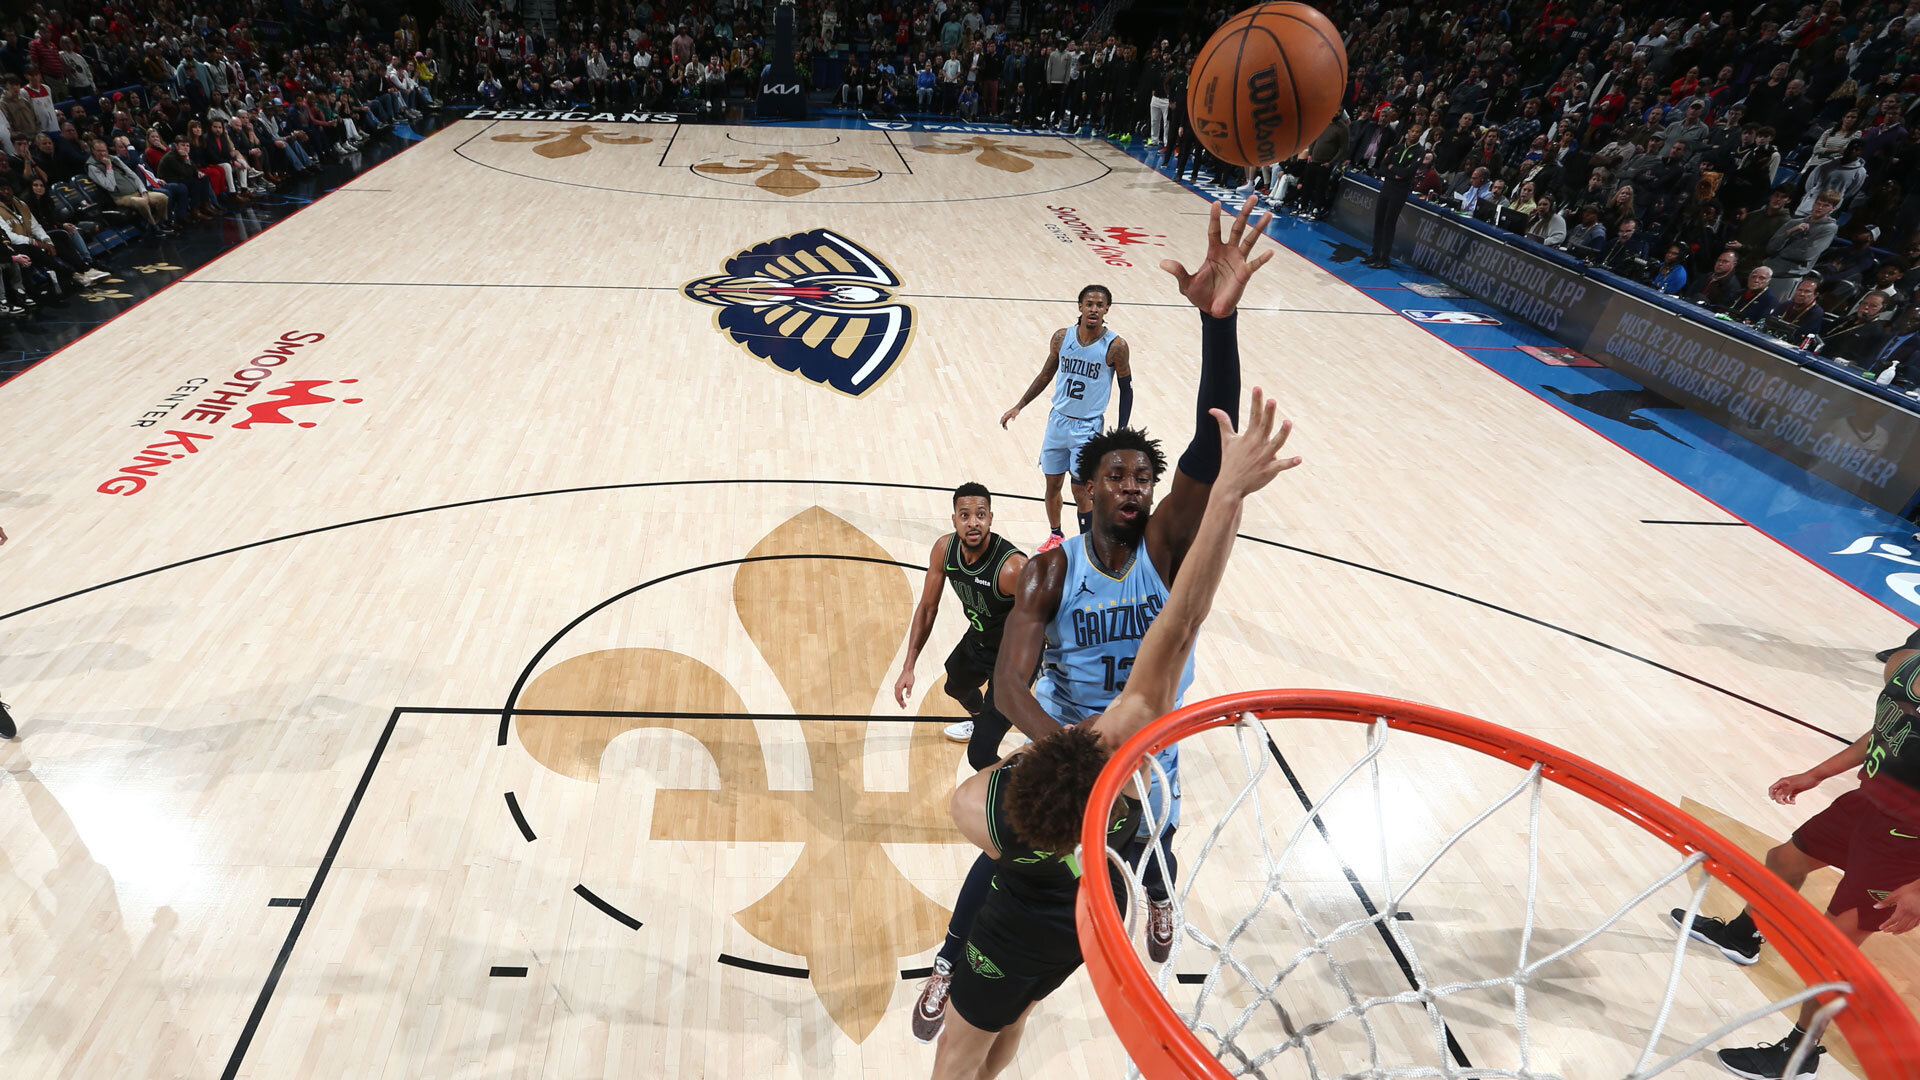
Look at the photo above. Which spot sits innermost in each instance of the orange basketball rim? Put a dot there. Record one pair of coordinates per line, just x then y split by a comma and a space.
1881, 1030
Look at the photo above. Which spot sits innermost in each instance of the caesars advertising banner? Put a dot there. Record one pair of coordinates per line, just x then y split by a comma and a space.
1796, 414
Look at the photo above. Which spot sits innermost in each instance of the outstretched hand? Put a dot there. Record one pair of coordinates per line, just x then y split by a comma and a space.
1250, 458
1905, 904
1788, 788
1216, 286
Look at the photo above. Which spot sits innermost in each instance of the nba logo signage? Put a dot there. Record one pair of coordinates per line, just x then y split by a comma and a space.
1451, 318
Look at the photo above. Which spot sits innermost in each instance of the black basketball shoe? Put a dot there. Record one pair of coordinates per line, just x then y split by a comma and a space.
1741, 948
1770, 1062
7, 730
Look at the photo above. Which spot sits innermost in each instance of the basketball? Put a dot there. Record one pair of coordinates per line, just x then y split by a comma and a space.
1266, 83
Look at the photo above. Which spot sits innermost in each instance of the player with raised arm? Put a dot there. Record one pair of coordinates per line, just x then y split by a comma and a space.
1083, 360
983, 568
1087, 603
1872, 833
1025, 813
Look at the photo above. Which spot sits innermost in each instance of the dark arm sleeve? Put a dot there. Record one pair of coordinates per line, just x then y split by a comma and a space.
1219, 389
1126, 399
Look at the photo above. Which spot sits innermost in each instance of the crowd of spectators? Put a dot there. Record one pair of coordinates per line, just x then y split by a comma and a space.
123, 118
1045, 80
1764, 162
153, 116
1022, 62
1650, 145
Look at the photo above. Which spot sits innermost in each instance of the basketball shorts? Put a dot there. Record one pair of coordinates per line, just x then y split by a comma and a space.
1875, 854
1016, 954
970, 664
1060, 446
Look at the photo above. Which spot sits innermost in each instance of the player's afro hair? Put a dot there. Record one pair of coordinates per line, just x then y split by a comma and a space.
1120, 438
1048, 789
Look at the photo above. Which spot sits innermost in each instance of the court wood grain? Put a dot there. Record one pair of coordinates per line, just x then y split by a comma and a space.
526, 519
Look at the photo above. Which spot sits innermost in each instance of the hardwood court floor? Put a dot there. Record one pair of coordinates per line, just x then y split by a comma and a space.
489, 451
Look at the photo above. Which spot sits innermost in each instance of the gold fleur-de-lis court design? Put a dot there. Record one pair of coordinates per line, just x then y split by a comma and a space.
559, 144
786, 174
826, 608
994, 154
155, 268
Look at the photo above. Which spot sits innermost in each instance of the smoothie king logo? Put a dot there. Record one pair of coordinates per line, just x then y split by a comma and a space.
1107, 242
236, 404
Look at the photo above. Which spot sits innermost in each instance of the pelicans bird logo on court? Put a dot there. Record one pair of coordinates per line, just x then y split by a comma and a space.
814, 304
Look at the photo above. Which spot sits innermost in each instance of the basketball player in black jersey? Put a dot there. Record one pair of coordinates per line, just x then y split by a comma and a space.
1125, 522
1025, 813
982, 567
1871, 833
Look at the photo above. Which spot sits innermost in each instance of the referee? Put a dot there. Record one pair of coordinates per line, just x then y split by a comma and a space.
1397, 170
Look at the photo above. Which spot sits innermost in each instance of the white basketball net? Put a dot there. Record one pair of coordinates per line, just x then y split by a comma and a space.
1246, 1047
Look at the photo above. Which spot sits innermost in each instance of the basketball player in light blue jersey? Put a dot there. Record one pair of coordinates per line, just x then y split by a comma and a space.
1082, 363
1084, 606
1109, 591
